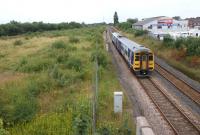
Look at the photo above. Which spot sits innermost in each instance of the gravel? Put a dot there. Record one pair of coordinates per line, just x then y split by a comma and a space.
142, 105
194, 84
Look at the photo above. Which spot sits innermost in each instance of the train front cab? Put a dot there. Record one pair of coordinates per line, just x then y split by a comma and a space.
143, 64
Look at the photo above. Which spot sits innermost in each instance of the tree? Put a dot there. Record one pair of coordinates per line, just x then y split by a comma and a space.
132, 21
116, 18
177, 17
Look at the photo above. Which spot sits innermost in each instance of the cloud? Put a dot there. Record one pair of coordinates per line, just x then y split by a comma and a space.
91, 11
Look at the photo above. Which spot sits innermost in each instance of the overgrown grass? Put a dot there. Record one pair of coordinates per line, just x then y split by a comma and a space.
54, 95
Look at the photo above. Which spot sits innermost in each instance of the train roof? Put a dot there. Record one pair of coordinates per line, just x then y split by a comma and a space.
135, 47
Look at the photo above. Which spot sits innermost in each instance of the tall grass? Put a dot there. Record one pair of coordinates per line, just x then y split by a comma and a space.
55, 96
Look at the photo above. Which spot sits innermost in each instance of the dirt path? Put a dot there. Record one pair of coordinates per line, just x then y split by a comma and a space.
9, 76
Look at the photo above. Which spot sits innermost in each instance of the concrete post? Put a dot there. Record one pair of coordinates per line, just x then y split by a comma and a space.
143, 127
118, 102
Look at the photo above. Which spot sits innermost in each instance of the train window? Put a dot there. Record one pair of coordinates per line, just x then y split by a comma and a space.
137, 58
144, 57
150, 57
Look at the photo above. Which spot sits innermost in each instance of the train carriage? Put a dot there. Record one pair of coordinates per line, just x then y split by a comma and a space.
139, 58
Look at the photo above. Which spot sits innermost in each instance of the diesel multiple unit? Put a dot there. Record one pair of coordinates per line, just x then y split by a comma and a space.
139, 58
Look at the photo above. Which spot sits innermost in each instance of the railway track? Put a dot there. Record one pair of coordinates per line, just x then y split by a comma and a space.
181, 85
176, 119
179, 122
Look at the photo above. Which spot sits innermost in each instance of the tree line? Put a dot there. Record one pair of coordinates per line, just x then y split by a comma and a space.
15, 28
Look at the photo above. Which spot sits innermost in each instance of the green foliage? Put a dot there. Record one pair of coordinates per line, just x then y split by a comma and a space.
74, 40
81, 124
54, 95
33, 64
124, 25
124, 129
18, 42
100, 56
168, 41
179, 43
132, 21
74, 63
116, 21
59, 45
18, 107
104, 131
191, 44
16, 28
2, 130
140, 32
25, 109
62, 57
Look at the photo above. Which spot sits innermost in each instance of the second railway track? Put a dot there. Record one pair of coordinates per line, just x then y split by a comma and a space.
181, 85
170, 111
172, 114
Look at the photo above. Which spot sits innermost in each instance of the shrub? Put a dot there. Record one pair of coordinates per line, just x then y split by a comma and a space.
34, 64
124, 25
101, 57
2, 130
18, 43
193, 46
62, 57
168, 41
124, 129
81, 124
25, 110
59, 45
74, 40
140, 32
74, 63
179, 43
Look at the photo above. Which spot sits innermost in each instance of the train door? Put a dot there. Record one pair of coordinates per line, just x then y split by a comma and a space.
144, 62
131, 58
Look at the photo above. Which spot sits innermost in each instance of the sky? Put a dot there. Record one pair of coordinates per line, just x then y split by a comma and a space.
93, 11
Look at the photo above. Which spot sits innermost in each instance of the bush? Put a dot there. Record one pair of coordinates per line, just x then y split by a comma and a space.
179, 43
18, 106
124, 25
74, 63
34, 64
62, 57
140, 32
168, 41
18, 43
74, 40
101, 57
2, 130
193, 46
59, 45
25, 110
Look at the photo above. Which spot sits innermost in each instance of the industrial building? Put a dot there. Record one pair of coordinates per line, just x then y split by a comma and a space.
160, 26
161, 23
194, 22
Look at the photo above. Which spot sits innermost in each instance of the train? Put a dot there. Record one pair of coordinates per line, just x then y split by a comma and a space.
139, 58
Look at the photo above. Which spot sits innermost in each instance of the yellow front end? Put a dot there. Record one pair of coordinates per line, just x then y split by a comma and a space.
151, 62
136, 65
143, 63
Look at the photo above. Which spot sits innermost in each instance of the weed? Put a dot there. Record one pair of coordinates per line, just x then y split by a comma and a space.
74, 63
74, 40
18, 43
59, 45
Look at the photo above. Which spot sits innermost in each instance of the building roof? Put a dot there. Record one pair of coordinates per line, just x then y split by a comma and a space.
147, 20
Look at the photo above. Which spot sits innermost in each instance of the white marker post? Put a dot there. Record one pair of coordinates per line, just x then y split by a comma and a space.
118, 102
